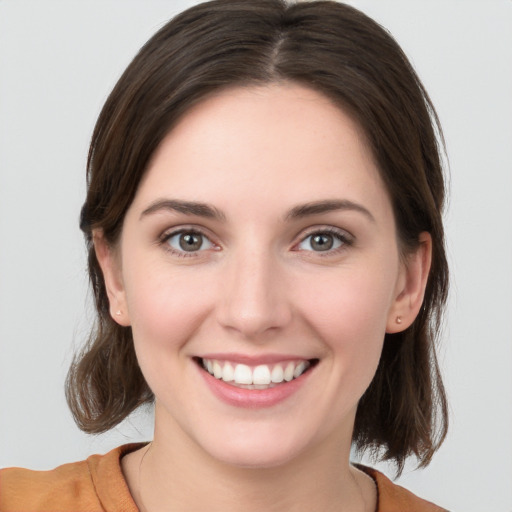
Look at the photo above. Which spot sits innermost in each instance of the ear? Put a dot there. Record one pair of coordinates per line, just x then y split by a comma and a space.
411, 286
110, 264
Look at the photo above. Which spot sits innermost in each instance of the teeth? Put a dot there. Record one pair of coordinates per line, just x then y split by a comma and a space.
277, 374
228, 373
242, 375
259, 377
299, 369
288, 373
217, 370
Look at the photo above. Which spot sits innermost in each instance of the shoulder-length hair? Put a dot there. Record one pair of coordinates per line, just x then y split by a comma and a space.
340, 52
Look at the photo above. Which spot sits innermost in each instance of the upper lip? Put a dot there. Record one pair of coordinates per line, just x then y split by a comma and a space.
253, 360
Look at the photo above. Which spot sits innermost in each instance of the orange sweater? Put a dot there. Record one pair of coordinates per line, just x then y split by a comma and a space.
97, 485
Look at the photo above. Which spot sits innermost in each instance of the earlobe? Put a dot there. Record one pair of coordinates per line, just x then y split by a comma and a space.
111, 269
412, 285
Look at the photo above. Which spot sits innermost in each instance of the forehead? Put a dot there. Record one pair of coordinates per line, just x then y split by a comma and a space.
257, 140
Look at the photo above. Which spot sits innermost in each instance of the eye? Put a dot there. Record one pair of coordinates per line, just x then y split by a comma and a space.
188, 241
323, 241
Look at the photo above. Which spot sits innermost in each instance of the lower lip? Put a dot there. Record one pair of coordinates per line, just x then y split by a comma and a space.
253, 398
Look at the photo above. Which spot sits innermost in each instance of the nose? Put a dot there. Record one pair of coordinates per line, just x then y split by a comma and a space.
254, 298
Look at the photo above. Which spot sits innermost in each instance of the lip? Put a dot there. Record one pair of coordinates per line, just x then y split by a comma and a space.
253, 398
253, 360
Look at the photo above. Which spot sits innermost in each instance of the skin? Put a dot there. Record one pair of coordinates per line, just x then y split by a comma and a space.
258, 286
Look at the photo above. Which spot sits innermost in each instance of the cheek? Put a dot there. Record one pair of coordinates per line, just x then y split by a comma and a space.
349, 311
166, 310
166, 305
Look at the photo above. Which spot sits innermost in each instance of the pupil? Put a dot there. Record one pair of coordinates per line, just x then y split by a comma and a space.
190, 242
322, 242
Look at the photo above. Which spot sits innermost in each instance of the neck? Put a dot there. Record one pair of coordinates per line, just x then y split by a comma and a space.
174, 473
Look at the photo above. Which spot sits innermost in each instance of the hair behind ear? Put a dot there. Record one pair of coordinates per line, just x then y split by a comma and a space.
404, 411
104, 383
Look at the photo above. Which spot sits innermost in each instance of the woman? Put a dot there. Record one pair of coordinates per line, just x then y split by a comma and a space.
265, 243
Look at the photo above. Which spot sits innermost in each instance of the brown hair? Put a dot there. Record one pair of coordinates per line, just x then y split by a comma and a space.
334, 49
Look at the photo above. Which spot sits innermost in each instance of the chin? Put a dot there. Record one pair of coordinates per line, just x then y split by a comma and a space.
255, 450
255, 458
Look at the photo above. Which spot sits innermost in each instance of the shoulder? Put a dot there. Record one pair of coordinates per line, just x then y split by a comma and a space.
68, 487
92, 485
394, 498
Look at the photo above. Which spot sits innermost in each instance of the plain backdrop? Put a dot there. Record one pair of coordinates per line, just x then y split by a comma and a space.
58, 62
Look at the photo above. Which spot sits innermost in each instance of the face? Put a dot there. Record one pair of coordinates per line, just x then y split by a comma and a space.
259, 270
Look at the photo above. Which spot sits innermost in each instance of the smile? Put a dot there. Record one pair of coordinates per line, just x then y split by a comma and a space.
245, 382
263, 376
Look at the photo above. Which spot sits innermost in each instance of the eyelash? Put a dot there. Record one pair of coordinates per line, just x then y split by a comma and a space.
341, 236
164, 241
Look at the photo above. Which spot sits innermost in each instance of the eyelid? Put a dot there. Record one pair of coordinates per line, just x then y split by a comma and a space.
192, 229
343, 235
185, 228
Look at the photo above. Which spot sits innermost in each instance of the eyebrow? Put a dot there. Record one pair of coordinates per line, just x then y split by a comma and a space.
210, 212
319, 207
186, 207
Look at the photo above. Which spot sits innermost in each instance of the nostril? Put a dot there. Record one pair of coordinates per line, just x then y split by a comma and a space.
254, 300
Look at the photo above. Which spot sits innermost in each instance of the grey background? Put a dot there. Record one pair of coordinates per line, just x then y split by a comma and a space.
58, 62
